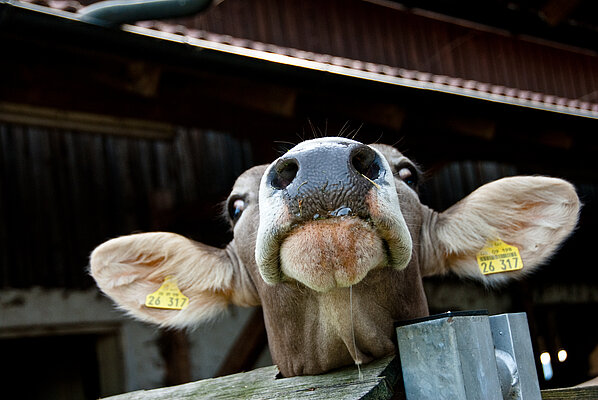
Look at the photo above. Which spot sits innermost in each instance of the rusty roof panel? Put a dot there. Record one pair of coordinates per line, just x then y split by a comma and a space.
368, 32
461, 58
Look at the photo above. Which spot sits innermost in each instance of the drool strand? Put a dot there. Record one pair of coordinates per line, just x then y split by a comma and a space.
357, 362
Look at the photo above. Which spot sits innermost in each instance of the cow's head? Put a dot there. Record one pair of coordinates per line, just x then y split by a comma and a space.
332, 240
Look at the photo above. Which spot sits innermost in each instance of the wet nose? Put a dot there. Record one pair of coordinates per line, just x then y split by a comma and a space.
320, 179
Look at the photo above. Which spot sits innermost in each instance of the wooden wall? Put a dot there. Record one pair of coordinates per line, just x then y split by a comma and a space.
65, 192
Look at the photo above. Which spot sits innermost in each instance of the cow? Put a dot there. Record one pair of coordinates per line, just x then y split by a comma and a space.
332, 241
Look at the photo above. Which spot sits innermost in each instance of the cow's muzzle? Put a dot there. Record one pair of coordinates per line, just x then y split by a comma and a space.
329, 213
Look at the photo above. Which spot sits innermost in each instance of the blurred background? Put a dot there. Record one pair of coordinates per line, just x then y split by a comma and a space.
106, 130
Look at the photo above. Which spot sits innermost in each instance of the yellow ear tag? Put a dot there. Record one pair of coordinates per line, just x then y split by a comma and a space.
497, 257
168, 296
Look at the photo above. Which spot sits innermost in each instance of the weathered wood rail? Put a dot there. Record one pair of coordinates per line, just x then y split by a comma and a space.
577, 393
380, 380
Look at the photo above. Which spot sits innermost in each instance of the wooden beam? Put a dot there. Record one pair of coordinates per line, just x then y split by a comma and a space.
556, 11
379, 378
472, 126
248, 346
83, 121
577, 393
110, 364
174, 347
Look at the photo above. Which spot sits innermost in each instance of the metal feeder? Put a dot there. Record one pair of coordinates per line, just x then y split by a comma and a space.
468, 355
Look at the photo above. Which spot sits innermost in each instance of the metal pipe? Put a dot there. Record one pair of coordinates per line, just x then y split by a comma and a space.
117, 12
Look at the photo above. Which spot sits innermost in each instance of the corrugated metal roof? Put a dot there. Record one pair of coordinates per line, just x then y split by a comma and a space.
401, 48
371, 71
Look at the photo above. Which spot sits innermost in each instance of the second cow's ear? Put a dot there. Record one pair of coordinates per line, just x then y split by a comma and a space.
130, 268
534, 214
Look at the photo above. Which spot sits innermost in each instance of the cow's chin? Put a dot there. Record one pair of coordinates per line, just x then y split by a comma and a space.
331, 253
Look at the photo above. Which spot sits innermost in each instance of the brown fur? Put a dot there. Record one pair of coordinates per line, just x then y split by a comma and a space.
306, 300
331, 253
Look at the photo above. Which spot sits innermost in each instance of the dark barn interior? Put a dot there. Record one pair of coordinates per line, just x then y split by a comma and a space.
108, 131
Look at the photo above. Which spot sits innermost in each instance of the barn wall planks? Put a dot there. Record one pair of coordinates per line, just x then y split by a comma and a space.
64, 192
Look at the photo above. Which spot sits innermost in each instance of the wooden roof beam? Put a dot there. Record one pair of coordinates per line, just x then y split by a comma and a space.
555, 12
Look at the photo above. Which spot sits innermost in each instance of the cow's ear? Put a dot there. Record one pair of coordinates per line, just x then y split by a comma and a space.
533, 214
130, 268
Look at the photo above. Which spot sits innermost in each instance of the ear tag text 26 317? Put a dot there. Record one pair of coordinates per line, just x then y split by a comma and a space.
168, 296
497, 257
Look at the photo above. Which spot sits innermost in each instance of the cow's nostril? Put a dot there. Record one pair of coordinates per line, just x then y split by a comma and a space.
285, 172
363, 159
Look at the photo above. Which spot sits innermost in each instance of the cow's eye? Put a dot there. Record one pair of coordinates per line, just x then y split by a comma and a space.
408, 175
236, 206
